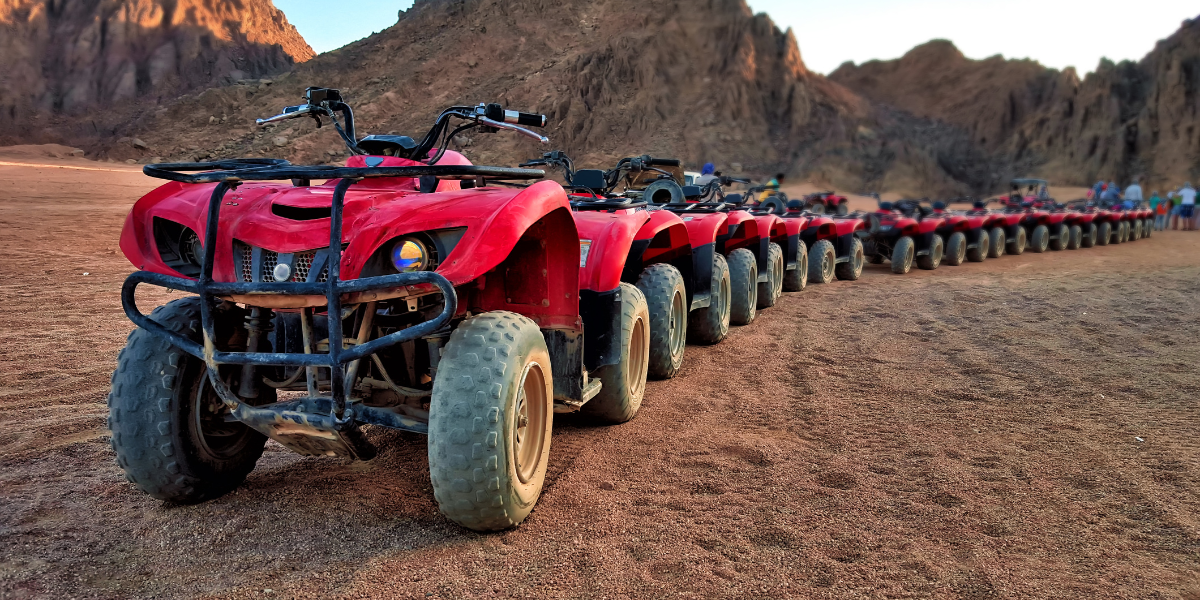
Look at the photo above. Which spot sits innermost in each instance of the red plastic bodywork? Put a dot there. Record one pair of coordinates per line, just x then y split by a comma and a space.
533, 224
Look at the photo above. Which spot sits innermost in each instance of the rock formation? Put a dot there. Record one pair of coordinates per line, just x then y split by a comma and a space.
1125, 120
69, 57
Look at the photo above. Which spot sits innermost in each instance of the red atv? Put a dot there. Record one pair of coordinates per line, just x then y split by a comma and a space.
621, 240
1034, 224
458, 314
739, 235
967, 233
903, 232
827, 203
833, 248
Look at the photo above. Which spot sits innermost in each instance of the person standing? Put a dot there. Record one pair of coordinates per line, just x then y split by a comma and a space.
1187, 206
1160, 207
1173, 196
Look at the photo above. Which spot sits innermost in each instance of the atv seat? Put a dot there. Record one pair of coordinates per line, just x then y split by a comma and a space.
387, 145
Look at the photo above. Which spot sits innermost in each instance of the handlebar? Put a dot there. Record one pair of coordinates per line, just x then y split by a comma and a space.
661, 162
521, 130
290, 112
326, 102
495, 112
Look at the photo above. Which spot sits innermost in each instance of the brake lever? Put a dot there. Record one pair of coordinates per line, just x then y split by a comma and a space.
521, 130
300, 111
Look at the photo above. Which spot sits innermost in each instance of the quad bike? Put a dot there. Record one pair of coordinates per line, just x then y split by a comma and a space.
742, 236
832, 250
904, 233
966, 233
724, 240
827, 203
622, 241
404, 292
1041, 229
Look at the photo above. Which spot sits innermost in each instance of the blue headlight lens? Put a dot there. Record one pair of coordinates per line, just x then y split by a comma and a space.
409, 256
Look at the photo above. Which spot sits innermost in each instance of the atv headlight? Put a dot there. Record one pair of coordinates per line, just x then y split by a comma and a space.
409, 255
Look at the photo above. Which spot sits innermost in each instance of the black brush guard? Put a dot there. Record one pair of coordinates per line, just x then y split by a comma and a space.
320, 414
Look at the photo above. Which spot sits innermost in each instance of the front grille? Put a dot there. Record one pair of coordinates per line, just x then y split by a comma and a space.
269, 260
302, 264
247, 266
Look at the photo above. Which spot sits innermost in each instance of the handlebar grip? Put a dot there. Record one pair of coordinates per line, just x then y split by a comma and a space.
496, 112
524, 118
663, 162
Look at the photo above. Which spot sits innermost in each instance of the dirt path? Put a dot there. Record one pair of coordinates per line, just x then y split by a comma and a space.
1022, 428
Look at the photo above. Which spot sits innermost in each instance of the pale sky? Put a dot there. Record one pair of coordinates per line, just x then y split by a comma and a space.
1057, 33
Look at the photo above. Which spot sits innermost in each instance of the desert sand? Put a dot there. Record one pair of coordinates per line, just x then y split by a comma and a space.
1021, 428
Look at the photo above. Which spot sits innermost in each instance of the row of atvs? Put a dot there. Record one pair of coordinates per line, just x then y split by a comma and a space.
412, 290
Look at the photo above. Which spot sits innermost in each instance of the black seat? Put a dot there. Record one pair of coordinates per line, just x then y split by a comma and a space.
387, 145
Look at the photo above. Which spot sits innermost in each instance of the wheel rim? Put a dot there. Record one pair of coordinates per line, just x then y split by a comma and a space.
639, 348
676, 327
909, 256
829, 261
529, 433
725, 304
858, 259
215, 436
777, 272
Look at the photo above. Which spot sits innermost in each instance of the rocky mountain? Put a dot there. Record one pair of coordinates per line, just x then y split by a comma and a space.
1124, 120
66, 58
707, 80
703, 81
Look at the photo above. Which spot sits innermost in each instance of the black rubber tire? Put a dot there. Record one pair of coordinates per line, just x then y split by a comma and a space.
843, 209
796, 279
956, 249
473, 421
1104, 234
773, 205
1147, 227
996, 242
743, 286
1016, 246
1040, 240
1135, 227
937, 250
155, 420
624, 384
1075, 237
817, 209
1122, 233
822, 262
876, 259
710, 325
1089, 239
902, 255
980, 252
770, 290
666, 299
851, 270
1063, 238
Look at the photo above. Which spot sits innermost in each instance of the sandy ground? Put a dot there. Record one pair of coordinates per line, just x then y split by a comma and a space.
1025, 427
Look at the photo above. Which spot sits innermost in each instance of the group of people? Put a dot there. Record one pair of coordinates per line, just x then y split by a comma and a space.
1178, 209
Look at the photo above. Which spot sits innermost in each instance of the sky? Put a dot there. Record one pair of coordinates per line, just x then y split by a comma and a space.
1056, 33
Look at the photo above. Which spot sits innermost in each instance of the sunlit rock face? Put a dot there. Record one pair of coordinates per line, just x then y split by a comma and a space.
70, 56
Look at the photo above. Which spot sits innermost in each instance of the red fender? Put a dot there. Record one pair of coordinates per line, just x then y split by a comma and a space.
848, 226
607, 237
703, 228
743, 230
668, 237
